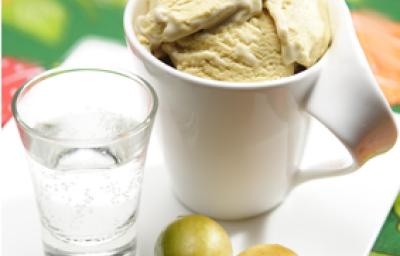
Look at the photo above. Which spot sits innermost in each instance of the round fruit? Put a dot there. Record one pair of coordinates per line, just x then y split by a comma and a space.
268, 250
193, 235
397, 206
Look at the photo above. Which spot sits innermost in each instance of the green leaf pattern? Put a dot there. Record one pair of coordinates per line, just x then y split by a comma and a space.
43, 19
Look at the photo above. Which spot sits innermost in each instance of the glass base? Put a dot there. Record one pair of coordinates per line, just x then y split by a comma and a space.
127, 250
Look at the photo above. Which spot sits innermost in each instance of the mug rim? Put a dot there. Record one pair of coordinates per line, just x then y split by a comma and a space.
144, 54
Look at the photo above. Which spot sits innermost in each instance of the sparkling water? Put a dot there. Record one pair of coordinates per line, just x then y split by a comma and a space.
88, 195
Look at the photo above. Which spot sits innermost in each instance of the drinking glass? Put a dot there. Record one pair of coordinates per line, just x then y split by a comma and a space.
86, 133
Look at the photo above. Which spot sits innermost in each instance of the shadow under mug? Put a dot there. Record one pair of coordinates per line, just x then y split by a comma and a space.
232, 149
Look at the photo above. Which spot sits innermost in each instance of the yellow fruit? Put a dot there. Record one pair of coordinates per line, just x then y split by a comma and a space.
193, 235
268, 250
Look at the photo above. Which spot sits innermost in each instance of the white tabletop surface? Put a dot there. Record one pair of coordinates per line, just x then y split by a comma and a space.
329, 217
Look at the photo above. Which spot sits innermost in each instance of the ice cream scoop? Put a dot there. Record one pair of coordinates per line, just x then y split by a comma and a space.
246, 51
303, 28
171, 20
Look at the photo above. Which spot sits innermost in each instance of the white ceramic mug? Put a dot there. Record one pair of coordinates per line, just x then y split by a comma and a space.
232, 150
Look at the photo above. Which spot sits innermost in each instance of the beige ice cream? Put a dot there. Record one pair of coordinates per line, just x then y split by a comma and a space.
170, 20
303, 28
246, 51
235, 40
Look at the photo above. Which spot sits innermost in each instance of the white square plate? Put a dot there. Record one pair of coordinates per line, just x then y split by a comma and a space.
326, 217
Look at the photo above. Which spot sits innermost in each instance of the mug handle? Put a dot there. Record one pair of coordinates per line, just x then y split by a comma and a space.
348, 101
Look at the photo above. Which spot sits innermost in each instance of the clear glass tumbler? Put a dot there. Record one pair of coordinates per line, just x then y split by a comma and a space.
86, 133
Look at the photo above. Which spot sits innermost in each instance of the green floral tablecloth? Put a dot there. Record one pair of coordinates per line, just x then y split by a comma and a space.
388, 241
40, 32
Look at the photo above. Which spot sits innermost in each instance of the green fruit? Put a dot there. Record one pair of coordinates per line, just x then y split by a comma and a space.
193, 235
397, 206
